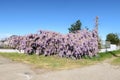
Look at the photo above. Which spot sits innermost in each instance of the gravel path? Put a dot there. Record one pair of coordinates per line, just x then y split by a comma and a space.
10, 70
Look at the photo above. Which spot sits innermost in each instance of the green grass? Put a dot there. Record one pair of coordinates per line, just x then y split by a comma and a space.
116, 61
57, 63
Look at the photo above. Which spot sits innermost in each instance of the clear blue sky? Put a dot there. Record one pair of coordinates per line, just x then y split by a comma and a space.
21, 17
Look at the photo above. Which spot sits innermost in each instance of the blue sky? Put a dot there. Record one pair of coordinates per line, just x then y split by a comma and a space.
22, 17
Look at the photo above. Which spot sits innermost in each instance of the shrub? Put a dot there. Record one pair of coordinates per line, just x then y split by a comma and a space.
73, 45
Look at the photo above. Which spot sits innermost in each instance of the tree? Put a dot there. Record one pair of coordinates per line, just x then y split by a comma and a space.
113, 38
74, 27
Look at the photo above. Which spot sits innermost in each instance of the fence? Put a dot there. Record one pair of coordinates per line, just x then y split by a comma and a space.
9, 50
111, 48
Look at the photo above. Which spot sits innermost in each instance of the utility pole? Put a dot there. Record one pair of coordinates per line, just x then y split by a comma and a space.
96, 27
96, 23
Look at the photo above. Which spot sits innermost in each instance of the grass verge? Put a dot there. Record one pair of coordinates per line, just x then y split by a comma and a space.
116, 61
57, 63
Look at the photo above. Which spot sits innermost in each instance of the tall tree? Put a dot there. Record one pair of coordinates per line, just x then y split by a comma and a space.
76, 26
113, 38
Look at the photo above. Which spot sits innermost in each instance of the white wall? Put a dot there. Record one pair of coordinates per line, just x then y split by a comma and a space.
112, 48
9, 50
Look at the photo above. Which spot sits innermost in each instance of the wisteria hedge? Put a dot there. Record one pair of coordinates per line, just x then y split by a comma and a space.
73, 45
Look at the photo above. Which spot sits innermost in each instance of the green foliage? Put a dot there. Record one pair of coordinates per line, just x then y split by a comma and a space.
76, 26
113, 38
116, 61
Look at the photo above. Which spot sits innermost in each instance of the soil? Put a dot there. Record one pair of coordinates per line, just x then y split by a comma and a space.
10, 70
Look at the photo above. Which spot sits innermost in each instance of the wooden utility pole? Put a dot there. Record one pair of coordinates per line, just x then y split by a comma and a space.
96, 26
96, 22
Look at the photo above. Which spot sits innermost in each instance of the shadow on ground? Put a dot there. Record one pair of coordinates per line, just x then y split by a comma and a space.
115, 55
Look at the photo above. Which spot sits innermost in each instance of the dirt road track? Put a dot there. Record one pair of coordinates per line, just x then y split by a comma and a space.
10, 70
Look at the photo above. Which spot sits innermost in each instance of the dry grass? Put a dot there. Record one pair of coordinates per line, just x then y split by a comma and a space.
57, 63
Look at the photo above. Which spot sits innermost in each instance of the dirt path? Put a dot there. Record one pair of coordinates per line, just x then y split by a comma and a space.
17, 71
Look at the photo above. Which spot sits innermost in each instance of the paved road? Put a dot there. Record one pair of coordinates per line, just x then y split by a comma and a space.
10, 70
